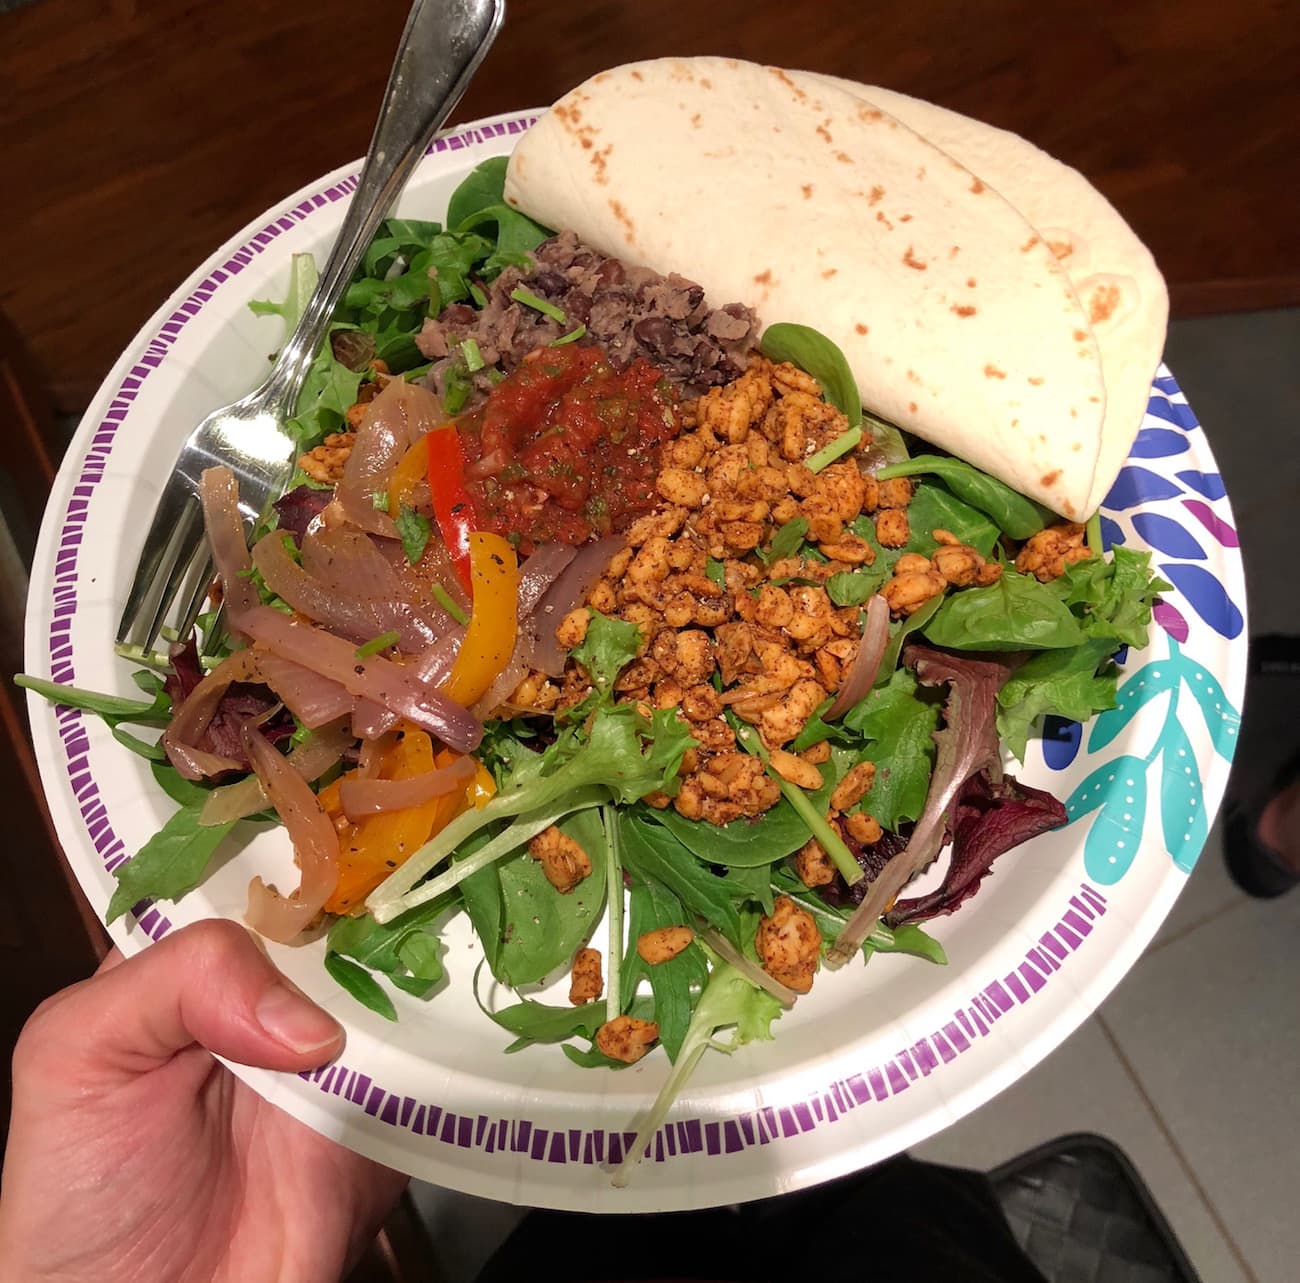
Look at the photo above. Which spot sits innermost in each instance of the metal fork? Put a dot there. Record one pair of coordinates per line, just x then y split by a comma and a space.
441, 48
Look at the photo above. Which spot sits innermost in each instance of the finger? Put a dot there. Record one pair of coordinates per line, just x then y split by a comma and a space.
208, 984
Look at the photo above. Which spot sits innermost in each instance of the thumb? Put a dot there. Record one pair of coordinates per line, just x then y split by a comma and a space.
208, 984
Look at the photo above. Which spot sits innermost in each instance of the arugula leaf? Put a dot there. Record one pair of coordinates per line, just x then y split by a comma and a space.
413, 528
1012, 512
621, 758
405, 950
171, 863
1015, 613
302, 284
114, 707
609, 646
650, 852
360, 984
1064, 682
532, 1022
729, 1001
542, 929
674, 983
900, 723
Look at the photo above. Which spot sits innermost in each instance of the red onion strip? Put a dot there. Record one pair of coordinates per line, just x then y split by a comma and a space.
219, 497
314, 700
861, 677
315, 846
380, 442
569, 591
372, 797
376, 678
311, 760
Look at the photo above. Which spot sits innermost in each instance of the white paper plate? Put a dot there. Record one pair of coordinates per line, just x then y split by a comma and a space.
877, 1058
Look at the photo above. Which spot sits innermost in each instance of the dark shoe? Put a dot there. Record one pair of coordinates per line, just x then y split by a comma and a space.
1252, 866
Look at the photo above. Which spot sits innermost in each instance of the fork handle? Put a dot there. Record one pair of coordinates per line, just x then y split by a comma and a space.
441, 48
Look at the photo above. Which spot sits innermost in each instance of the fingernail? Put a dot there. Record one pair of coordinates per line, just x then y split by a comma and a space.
295, 1021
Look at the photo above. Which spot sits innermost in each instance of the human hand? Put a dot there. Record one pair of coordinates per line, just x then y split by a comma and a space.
135, 1155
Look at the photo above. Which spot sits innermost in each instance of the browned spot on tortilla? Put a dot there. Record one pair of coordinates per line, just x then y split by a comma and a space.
1094, 398
1062, 249
869, 113
764, 277
1104, 301
977, 186
600, 79
911, 406
598, 160
1077, 446
971, 282
913, 377
1015, 423
880, 218
844, 158
788, 83
1050, 478
587, 142
824, 133
920, 173
953, 251
1037, 380
911, 260
807, 190
621, 214
860, 328
1080, 335
904, 218
1029, 244
877, 194
1074, 414
706, 83
636, 75
962, 309
829, 272
889, 360
695, 120
991, 371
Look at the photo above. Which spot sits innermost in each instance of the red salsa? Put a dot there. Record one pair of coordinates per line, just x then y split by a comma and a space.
567, 447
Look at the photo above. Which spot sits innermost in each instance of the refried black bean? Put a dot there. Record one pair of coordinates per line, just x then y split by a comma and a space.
628, 311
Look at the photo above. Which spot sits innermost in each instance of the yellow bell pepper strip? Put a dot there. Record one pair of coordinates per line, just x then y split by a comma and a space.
493, 622
406, 476
370, 850
452, 504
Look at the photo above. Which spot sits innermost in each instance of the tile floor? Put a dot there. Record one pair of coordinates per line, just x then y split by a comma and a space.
1191, 1065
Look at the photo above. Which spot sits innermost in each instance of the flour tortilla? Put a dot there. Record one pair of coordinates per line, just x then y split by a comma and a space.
1112, 272
812, 206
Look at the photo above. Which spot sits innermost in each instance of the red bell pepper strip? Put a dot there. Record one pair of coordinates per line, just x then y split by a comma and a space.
452, 504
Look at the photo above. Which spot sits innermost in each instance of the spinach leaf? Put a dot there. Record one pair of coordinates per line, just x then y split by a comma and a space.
360, 984
1012, 512
743, 843
1015, 613
815, 354
750, 886
900, 720
406, 950
482, 187
935, 508
171, 863
398, 237
674, 983
517, 235
786, 541
542, 929
1064, 682
651, 852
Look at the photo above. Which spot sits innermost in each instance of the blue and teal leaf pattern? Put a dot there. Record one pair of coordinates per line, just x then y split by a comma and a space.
1207, 595
1221, 719
1182, 801
1166, 535
1149, 681
1119, 789
1210, 484
1136, 486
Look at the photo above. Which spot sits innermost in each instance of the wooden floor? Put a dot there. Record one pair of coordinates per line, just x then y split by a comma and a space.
138, 134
